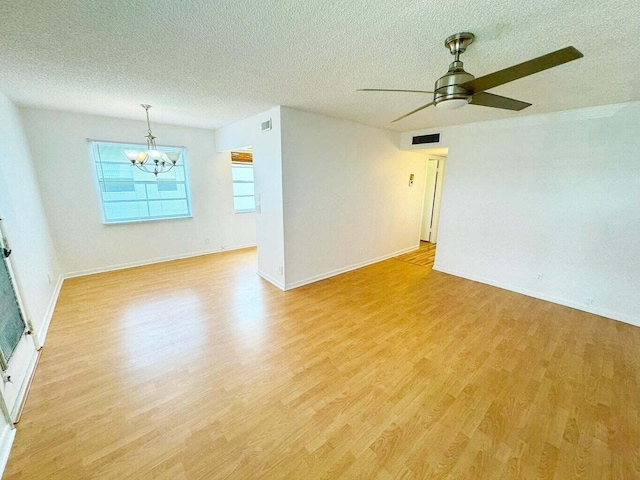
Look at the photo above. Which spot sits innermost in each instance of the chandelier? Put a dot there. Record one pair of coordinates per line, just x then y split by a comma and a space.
161, 162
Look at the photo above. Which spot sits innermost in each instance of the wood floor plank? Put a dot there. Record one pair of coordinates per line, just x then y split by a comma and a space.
198, 368
424, 256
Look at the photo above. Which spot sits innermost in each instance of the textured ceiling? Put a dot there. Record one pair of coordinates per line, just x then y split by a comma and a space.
207, 64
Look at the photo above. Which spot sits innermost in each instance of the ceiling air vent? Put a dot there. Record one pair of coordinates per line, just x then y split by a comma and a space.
266, 125
433, 138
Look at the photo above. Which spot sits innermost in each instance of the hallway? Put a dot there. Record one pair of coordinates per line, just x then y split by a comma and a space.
424, 256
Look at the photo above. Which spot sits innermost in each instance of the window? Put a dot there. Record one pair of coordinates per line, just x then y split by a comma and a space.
128, 194
243, 192
11, 322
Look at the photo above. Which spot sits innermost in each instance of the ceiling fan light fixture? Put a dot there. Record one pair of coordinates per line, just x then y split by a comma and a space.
452, 103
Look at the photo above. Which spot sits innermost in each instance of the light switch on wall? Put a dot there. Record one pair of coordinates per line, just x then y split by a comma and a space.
411, 180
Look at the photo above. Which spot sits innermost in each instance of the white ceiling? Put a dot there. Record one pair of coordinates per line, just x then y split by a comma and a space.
207, 64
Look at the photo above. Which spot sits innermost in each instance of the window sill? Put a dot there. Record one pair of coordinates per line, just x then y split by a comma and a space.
144, 220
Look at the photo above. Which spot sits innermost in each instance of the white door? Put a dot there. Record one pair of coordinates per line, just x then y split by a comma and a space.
432, 198
429, 195
437, 198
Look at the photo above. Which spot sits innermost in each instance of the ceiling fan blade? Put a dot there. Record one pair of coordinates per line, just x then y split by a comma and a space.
496, 101
387, 90
521, 70
413, 111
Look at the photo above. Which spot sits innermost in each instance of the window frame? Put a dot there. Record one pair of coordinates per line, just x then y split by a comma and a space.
253, 182
100, 183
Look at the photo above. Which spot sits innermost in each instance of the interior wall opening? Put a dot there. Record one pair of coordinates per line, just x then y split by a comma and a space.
435, 172
432, 200
244, 200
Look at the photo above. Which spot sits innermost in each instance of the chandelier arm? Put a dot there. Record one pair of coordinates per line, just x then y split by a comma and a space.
163, 168
143, 168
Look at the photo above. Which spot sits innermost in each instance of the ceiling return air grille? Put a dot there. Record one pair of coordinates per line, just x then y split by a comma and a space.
420, 139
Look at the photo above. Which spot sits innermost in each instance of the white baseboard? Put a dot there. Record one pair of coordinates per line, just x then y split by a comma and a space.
7, 436
31, 371
42, 334
333, 273
272, 280
122, 266
603, 312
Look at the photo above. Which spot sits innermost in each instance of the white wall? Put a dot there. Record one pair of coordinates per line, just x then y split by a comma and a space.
334, 194
267, 169
66, 174
556, 195
33, 259
347, 201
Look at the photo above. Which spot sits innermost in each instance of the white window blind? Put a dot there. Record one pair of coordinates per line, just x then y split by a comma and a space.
243, 188
128, 194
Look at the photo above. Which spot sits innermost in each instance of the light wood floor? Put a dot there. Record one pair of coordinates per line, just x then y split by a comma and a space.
424, 256
199, 369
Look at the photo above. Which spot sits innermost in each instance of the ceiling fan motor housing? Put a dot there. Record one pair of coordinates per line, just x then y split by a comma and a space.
446, 87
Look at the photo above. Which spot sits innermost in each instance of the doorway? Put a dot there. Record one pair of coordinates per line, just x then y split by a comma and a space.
425, 255
244, 200
431, 209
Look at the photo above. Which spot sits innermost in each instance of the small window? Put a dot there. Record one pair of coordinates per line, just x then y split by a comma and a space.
128, 194
243, 189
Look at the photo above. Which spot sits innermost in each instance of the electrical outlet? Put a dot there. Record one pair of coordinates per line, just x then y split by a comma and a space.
540, 276
588, 301
281, 270
206, 240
